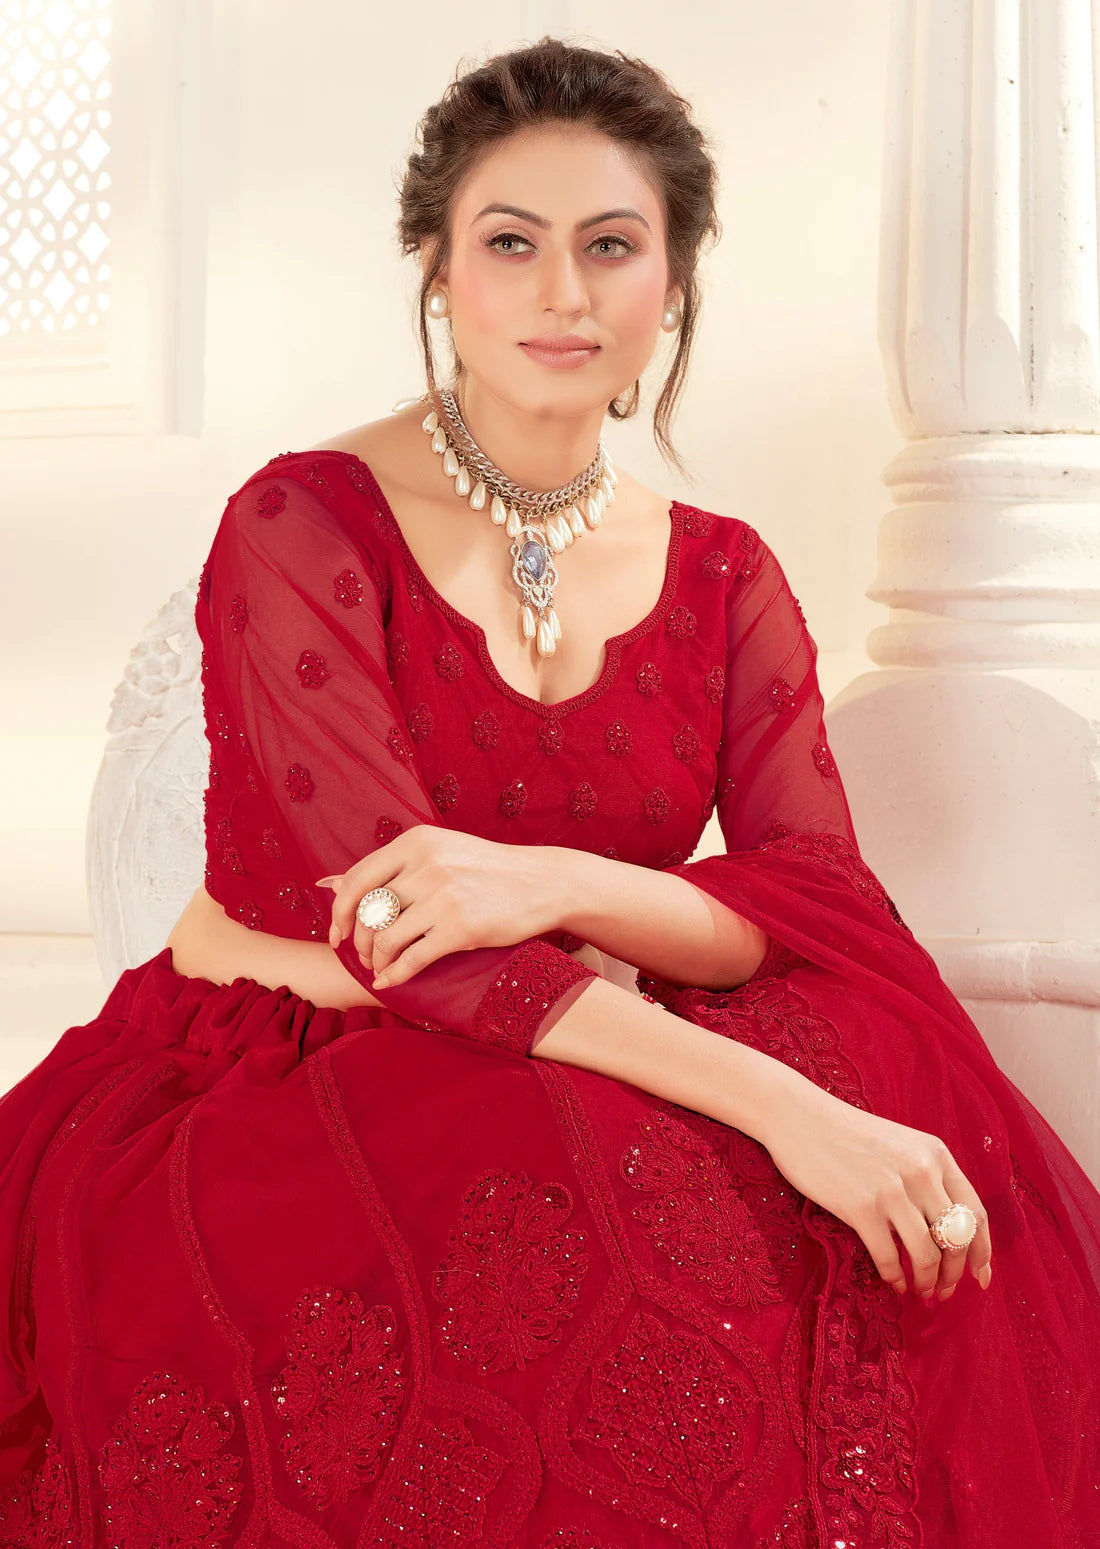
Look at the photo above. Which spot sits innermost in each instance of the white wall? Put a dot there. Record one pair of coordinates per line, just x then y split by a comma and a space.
299, 120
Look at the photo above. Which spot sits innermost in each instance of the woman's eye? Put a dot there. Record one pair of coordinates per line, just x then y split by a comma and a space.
513, 236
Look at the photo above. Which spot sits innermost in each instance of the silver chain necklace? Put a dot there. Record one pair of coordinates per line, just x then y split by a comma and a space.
540, 523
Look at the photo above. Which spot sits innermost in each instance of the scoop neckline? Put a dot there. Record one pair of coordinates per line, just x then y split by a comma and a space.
612, 646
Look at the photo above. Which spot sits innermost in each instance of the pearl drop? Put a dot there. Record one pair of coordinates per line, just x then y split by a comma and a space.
545, 641
608, 489
554, 538
463, 482
564, 529
594, 515
529, 621
477, 496
439, 440
430, 422
498, 510
576, 521
513, 524
451, 463
554, 624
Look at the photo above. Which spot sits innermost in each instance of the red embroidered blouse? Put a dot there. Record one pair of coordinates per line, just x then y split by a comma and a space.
346, 699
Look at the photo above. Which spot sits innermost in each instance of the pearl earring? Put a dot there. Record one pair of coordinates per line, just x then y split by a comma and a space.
437, 304
670, 319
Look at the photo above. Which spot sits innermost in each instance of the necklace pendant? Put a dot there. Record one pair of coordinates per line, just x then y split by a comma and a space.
545, 641
528, 620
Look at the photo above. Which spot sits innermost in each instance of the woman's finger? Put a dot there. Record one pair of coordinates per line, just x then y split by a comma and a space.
880, 1244
980, 1253
929, 1203
379, 946
418, 954
911, 1226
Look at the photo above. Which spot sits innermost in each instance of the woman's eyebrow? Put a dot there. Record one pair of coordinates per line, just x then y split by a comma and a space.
538, 220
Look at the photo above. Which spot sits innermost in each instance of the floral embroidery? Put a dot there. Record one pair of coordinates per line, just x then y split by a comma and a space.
299, 783
657, 805
667, 1410
271, 502
730, 1232
420, 721
611, 853
674, 858
535, 976
648, 679
749, 541
794, 1530
397, 650
835, 850
716, 683
681, 622
222, 728
290, 895
251, 781
512, 1272
685, 743
550, 735
824, 759
698, 523
513, 799
412, 587
339, 1396
617, 734
36, 1508
448, 662
271, 845
443, 1497
782, 694
485, 730
311, 670
167, 1476
313, 472
582, 800
386, 829
238, 614
716, 564
249, 914
348, 589
398, 743
572, 1538
231, 859
445, 792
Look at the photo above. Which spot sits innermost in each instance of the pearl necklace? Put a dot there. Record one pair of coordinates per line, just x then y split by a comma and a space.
539, 523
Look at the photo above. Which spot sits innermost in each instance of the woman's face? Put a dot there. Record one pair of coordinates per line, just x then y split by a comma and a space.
514, 276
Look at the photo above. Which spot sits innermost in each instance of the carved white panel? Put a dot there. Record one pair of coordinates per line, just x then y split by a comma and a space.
145, 845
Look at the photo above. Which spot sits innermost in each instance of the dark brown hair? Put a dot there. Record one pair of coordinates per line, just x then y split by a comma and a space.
548, 82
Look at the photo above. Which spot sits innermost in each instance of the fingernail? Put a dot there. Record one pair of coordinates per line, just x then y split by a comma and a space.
325, 881
381, 979
985, 1275
899, 1287
928, 1298
334, 937
950, 1291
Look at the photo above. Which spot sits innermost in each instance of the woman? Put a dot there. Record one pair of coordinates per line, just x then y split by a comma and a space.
570, 1192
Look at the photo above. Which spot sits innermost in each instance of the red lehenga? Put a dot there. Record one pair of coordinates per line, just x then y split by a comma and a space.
278, 1274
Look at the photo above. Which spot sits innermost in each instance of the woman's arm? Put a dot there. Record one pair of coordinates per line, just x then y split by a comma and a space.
606, 1029
655, 920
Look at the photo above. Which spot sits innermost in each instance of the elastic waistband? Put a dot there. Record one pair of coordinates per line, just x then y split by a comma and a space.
209, 1017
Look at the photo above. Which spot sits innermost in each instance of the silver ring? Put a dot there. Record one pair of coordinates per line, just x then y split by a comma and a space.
378, 908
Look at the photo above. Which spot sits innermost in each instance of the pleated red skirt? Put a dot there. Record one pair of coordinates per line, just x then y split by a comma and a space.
279, 1274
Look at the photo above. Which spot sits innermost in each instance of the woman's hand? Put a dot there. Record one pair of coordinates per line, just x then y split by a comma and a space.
874, 1174
457, 892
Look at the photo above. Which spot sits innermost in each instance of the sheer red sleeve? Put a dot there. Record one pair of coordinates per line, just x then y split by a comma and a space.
302, 680
792, 863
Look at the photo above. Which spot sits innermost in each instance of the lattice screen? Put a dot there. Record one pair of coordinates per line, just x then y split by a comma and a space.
55, 205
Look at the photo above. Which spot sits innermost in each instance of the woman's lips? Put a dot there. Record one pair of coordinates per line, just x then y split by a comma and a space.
561, 359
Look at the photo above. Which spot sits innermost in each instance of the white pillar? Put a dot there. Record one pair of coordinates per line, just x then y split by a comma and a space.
972, 755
